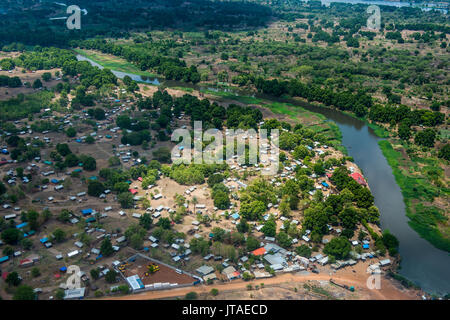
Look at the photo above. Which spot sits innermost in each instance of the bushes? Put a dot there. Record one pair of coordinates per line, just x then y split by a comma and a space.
220, 194
125, 199
338, 247
95, 188
187, 175
303, 251
191, 296
425, 138
24, 292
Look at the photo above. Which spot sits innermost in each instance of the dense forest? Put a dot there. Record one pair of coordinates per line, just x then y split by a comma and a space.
29, 21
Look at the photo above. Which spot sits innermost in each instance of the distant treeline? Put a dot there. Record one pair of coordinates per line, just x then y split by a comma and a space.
30, 23
423, 27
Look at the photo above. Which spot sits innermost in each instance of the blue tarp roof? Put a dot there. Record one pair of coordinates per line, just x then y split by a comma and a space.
54, 181
44, 240
3, 259
325, 184
86, 211
63, 269
235, 216
365, 246
20, 226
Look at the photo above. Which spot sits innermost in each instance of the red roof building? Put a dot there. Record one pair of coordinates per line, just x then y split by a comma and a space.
259, 252
133, 191
358, 178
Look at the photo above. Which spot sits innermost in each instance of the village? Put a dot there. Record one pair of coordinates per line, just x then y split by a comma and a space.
158, 265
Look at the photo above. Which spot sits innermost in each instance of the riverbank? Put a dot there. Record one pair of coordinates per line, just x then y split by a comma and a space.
427, 220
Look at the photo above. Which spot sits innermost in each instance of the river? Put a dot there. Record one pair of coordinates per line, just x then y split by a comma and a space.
421, 262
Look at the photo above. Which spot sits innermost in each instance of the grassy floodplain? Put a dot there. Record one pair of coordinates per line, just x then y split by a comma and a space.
113, 63
413, 177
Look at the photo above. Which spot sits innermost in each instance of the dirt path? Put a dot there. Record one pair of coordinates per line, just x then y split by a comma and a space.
387, 292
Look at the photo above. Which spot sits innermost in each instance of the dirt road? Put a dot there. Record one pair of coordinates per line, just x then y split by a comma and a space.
387, 292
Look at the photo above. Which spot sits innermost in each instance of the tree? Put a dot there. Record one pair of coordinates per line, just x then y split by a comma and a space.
404, 131
71, 132
363, 197
26, 243
214, 292
8, 251
136, 241
164, 223
349, 218
89, 140
391, 242
11, 236
111, 276
59, 235
24, 292
252, 243
13, 279
243, 226
35, 272
125, 199
65, 215
37, 84
221, 199
89, 164
60, 294
319, 169
46, 76
95, 273
445, 152
338, 247
113, 161
63, 149
191, 296
252, 210
106, 248
71, 160
304, 251
425, 138
163, 155
95, 188
270, 228
284, 240
146, 221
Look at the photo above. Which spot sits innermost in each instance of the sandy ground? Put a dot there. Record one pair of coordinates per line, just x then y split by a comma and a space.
388, 290
6, 93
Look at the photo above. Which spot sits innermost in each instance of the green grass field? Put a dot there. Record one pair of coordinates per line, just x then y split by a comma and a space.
427, 220
113, 63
